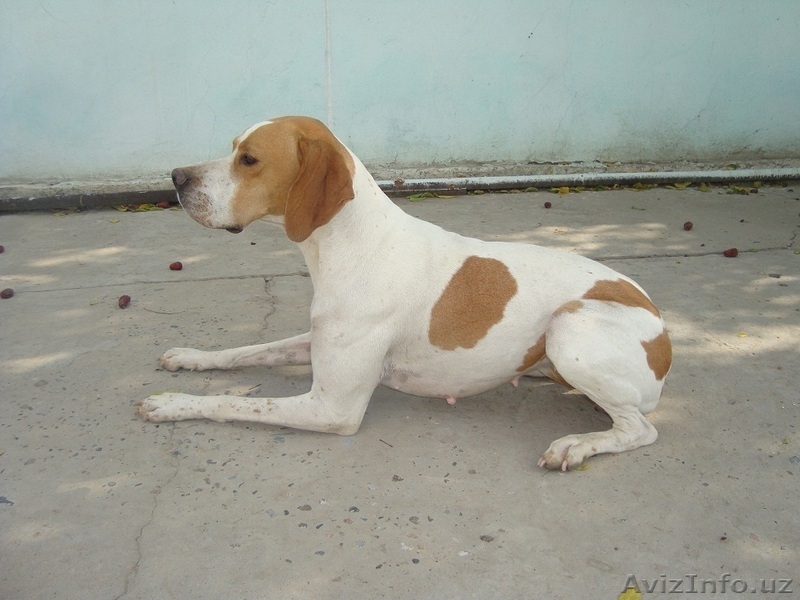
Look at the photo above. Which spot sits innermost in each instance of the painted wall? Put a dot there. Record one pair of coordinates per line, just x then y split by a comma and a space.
92, 88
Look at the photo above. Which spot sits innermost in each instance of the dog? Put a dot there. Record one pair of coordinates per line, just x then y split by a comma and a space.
403, 303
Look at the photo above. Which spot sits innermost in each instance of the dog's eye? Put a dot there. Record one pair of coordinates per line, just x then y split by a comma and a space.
248, 160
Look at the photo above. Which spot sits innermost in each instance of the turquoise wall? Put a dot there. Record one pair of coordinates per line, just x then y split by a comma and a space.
92, 88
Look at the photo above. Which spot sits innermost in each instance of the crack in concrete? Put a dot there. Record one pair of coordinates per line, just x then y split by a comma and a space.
272, 301
686, 254
116, 284
130, 576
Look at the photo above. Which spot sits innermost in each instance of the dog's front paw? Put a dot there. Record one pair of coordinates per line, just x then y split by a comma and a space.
566, 453
183, 358
169, 406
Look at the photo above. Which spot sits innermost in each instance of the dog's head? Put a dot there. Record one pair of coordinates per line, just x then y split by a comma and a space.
292, 167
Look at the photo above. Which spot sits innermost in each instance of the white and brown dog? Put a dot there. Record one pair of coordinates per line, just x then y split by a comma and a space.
403, 303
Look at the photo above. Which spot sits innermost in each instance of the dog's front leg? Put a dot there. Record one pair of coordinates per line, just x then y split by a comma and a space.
339, 395
307, 411
291, 351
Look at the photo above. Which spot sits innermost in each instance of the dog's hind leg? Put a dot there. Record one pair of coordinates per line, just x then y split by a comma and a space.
630, 430
599, 351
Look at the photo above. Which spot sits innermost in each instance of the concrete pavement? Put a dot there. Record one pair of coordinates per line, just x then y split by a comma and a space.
427, 500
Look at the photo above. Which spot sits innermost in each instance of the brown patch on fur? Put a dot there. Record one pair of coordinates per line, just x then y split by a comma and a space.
534, 355
623, 292
659, 355
572, 306
556, 376
474, 300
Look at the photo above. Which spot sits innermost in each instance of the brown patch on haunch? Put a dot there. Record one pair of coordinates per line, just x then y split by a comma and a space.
556, 376
572, 306
474, 300
623, 292
534, 355
659, 355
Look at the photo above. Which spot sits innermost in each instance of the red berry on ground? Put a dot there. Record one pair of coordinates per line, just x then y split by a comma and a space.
124, 301
731, 253
548, 204
176, 266
688, 226
6, 293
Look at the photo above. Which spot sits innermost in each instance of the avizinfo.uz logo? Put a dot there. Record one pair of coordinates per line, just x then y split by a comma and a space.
636, 587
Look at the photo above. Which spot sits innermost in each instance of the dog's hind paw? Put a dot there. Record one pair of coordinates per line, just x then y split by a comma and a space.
567, 453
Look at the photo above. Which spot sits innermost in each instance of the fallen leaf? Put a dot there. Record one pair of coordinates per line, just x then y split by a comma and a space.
423, 195
630, 594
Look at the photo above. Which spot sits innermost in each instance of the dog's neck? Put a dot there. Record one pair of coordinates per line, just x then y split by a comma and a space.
361, 223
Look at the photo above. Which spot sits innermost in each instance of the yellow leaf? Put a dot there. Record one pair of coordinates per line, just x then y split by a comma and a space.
113, 220
682, 185
630, 594
741, 334
421, 196
147, 206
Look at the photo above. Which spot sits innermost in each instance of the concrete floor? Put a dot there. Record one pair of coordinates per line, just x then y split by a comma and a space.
427, 500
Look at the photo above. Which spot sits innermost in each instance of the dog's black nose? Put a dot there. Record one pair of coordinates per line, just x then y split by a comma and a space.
179, 177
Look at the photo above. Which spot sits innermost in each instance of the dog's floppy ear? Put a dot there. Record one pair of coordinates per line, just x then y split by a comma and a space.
324, 183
